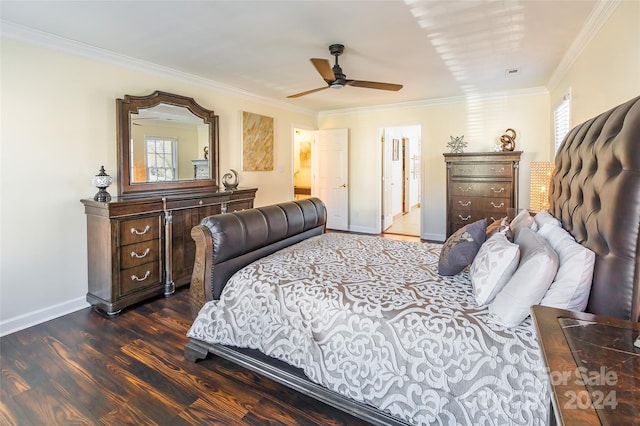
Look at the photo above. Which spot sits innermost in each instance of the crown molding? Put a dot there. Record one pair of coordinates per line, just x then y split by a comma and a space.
39, 38
596, 20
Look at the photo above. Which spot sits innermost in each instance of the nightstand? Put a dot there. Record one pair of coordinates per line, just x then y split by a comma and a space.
592, 366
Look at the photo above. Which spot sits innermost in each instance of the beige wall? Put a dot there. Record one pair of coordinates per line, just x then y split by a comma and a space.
481, 121
607, 71
58, 128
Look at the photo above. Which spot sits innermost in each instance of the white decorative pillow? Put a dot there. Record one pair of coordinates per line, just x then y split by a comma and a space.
572, 285
492, 267
522, 220
543, 217
529, 283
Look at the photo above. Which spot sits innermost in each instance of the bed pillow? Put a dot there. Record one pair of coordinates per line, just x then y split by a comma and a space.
496, 261
502, 226
529, 283
522, 220
543, 217
571, 287
461, 248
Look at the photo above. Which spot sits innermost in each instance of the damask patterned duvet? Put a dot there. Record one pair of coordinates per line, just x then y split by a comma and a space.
370, 318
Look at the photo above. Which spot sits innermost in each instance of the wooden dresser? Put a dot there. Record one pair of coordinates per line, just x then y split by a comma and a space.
140, 247
480, 185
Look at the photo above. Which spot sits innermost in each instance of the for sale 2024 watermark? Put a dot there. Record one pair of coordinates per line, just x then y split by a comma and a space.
582, 376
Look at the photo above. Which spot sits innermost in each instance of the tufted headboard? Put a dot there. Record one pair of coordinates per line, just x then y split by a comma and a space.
595, 192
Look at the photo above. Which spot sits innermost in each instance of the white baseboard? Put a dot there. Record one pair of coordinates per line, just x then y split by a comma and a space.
30, 319
363, 230
433, 237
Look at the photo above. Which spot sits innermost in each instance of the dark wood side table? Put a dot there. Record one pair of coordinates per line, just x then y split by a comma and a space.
592, 366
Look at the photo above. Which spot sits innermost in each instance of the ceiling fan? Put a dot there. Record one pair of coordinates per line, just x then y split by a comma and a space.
336, 79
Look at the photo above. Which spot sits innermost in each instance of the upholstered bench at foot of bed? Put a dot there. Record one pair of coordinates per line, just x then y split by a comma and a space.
227, 242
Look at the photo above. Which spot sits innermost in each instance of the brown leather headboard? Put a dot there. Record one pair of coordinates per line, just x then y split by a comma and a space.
225, 243
595, 192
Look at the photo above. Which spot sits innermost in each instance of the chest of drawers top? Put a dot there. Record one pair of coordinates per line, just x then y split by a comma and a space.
483, 165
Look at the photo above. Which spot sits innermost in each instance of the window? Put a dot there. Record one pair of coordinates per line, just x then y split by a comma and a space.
561, 125
161, 158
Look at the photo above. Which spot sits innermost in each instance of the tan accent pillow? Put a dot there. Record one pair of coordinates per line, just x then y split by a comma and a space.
522, 220
502, 226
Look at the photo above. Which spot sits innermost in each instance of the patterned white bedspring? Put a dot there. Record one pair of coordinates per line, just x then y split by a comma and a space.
370, 318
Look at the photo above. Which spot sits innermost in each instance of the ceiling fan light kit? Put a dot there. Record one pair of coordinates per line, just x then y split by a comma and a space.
336, 79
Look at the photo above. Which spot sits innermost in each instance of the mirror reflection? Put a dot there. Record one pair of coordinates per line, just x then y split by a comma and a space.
168, 143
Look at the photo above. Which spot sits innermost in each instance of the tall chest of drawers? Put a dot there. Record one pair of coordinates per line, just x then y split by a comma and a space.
138, 248
480, 185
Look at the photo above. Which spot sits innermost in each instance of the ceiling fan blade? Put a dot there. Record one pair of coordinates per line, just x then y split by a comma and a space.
376, 85
324, 68
297, 95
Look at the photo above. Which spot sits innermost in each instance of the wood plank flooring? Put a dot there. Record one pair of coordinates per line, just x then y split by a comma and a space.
86, 369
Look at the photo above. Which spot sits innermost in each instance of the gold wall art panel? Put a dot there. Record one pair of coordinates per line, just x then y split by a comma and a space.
257, 142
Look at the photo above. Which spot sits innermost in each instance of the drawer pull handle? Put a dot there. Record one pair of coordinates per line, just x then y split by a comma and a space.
497, 191
493, 219
200, 202
135, 277
468, 203
464, 218
497, 206
144, 231
465, 190
140, 256
500, 170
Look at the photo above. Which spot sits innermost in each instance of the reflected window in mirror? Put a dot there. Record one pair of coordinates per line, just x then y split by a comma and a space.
161, 158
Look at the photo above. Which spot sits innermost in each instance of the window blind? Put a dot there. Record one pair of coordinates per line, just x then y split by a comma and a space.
561, 123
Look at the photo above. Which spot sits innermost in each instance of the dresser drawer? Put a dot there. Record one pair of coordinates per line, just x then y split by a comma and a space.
481, 189
487, 204
484, 170
136, 254
139, 277
236, 206
461, 219
137, 230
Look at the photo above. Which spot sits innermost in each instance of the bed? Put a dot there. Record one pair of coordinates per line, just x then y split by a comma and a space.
390, 340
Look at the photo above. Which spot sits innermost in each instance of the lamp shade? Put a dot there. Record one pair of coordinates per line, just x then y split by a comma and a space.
541, 172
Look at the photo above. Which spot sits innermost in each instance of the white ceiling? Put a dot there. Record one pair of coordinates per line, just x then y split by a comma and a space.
435, 48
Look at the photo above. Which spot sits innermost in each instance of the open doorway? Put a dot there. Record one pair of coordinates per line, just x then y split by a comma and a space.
302, 177
401, 204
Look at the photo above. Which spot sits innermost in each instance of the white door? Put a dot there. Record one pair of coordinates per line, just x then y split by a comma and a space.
331, 175
387, 188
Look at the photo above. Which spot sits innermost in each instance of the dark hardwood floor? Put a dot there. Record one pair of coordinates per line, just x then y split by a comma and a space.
86, 369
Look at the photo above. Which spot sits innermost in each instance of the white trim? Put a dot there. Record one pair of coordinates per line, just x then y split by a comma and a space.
39, 316
433, 237
50, 41
363, 230
598, 17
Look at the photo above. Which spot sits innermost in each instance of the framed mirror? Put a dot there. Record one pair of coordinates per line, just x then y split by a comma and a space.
166, 144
